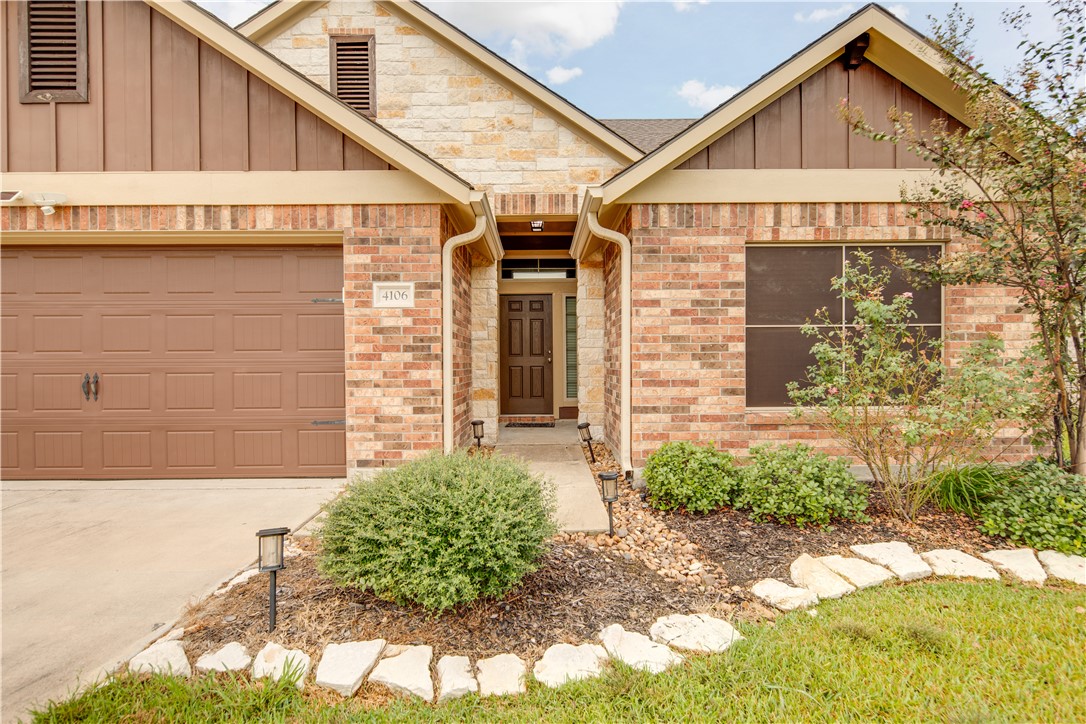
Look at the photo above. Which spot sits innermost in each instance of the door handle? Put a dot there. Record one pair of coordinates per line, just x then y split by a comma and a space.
85, 386
94, 387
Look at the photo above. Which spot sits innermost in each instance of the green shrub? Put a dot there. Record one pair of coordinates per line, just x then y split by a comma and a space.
699, 478
966, 489
794, 484
1041, 506
439, 531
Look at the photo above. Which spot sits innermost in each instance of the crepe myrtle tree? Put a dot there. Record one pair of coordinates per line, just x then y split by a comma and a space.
1014, 185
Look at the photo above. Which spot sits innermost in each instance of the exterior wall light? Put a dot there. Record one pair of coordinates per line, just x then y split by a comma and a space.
269, 560
536, 224
48, 202
586, 437
477, 431
609, 493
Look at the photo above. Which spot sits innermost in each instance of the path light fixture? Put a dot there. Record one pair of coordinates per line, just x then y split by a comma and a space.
584, 430
269, 560
477, 431
609, 493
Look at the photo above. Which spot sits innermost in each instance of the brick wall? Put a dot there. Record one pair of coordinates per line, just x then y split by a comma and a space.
462, 342
612, 349
688, 314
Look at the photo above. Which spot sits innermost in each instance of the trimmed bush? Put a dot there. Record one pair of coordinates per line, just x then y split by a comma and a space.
439, 531
1041, 506
794, 484
699, 478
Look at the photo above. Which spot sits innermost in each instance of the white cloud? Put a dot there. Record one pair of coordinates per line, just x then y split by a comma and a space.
901, 11
547, 29
232, 12
559, 75
684, 5
821, 15
703, 97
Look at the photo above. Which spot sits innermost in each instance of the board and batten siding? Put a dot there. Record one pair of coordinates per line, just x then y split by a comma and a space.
801, 128
160, 99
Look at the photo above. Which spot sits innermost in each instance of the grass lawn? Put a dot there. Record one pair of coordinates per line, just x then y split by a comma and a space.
924, 651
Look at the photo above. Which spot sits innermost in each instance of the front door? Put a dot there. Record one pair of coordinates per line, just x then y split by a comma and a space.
526, 354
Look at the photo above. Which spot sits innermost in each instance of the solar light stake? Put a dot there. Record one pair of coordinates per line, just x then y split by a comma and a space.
609, 494
586, 437
477, 431
269, 560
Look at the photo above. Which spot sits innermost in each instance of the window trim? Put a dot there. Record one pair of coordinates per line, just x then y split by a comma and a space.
333, 69
842, 243
81, 92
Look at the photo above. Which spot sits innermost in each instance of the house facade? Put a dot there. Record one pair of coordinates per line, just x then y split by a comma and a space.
326, 241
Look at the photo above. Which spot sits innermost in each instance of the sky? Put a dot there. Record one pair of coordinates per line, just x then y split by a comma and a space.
673, 59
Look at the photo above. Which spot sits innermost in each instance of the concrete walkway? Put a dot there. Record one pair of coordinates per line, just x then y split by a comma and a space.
555, 453
95, 570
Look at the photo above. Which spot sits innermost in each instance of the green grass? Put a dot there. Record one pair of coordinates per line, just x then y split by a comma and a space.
959, 652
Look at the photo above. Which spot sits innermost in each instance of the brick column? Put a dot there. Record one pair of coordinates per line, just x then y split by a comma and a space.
484, 346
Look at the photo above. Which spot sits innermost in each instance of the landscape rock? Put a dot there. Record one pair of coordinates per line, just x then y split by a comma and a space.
164, 657
809, 573
408, 672
563, 663
858, 572
699, 632
1064, 566
1021, 563
454, 678
637, 650
174, 635
950, 562
274, 660
780, 595
501, 675
344, 666
238, 580
232, 657
897, 556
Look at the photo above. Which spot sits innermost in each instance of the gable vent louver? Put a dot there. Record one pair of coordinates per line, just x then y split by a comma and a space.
54, 57
352, 77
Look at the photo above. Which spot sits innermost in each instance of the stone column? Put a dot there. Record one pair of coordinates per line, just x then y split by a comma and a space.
590, 369
484, 346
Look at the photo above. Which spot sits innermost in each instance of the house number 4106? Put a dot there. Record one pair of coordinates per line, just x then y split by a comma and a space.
394, 294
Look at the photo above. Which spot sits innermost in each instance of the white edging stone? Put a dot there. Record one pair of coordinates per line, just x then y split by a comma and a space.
809, 573
955, 563
1020, 563
899, 557
563, 663
857, 571
699, 632
164, 657
1064, 566
231, 657
501, 675
344, 666
780, 595
407, 671
454, 678
637, 650
273, 660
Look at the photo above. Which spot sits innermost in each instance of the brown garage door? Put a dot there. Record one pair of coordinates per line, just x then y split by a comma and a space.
210, 362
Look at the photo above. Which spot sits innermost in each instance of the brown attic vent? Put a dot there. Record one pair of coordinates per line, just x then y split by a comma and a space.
352, 72
53, 51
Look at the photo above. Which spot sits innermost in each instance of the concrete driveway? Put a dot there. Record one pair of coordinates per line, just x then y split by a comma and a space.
93, 571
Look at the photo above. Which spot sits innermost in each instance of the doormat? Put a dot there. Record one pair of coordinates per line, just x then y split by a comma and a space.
529, 424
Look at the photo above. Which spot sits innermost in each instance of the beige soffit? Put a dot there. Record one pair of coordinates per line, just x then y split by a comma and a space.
895, 47
326, 106
443, 32
276, 17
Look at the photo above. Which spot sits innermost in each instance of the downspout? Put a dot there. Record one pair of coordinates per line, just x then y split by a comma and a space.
626, 346
451, 246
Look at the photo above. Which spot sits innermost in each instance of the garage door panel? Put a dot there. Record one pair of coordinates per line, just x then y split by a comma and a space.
214, 363
10, 268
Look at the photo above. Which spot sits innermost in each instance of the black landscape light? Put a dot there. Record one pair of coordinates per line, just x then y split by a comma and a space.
586, 437
269, 560
609, 493
477, 431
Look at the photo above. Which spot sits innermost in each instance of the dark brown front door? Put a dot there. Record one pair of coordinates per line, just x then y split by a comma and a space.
526, 354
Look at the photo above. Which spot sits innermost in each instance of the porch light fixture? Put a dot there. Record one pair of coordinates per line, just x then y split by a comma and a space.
586, 437
477, 431
536, 224
269, 560
609, 494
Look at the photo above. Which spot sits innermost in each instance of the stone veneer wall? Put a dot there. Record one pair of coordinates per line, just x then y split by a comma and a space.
612, 349
484, 347
688, 322
590, 341
444, 106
